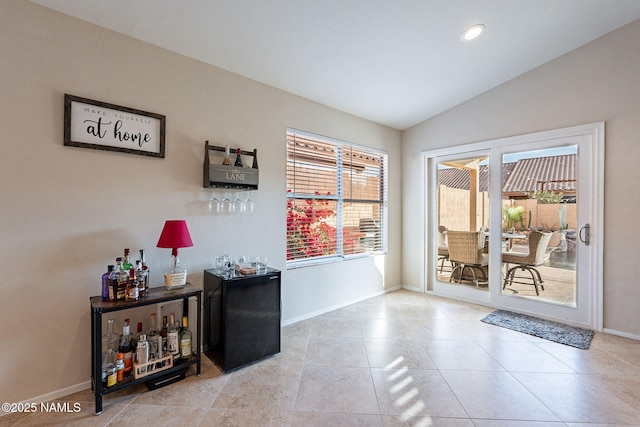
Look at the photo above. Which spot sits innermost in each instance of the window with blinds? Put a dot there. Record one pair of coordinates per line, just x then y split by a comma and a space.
336, 199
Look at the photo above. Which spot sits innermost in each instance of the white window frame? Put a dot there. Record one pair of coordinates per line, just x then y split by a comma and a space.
340, 201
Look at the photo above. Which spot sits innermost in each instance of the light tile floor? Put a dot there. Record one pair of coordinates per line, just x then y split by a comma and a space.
402, 359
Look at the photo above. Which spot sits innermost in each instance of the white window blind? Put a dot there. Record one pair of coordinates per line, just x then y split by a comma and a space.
336, 198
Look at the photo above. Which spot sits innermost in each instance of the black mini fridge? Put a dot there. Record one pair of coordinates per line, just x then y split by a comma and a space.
242, 313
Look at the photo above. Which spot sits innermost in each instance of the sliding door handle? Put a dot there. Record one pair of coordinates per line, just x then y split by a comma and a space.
584, 238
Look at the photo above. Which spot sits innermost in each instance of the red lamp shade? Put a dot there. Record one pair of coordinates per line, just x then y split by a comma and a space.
175, 234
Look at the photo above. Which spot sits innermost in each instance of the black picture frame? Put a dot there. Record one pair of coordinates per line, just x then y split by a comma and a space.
103, 126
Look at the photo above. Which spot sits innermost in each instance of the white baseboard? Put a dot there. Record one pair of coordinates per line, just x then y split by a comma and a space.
411, 288
621, 334
338, 306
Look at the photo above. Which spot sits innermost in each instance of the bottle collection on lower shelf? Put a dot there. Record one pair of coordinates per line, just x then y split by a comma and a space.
141, 354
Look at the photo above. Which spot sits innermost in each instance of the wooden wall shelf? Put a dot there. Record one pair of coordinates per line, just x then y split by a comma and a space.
217, 175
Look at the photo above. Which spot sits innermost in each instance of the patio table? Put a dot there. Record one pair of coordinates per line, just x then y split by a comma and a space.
509, 237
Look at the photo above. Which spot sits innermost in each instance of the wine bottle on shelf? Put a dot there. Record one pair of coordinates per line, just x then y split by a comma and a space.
238, 162
185, 339
105, 282
254, 165
125, 348
173, 338
227, 156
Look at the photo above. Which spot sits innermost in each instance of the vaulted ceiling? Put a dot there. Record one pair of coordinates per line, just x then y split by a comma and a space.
395, 62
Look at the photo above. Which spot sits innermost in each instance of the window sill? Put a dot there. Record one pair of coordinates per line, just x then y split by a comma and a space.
292, 265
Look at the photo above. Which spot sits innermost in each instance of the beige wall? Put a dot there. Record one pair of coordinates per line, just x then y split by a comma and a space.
68, 212
597, 82
454, 208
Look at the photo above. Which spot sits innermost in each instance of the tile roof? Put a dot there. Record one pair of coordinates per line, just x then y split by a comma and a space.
556, 173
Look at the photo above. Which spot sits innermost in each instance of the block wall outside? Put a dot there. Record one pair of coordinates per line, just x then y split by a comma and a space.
453, 208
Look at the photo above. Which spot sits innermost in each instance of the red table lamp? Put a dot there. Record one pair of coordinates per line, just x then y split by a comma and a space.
175, 235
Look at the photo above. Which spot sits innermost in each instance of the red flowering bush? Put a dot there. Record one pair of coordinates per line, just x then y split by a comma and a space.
308, 232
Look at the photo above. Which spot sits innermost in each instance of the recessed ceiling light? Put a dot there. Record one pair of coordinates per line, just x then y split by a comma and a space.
472, 32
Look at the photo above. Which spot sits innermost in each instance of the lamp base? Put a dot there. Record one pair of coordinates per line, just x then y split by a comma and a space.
175, 280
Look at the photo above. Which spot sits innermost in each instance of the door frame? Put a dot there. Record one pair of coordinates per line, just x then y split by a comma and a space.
595, 215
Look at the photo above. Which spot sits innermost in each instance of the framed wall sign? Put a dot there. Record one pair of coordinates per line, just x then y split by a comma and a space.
102, 126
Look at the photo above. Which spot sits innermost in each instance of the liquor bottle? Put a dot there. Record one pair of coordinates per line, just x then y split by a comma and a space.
238, 162
142, 353
152, 336
112, 339
160, 352
123, 278
254, 165
125, 348
131, 293
140, 278
120, 367
173, 338
145, 269
105, 282
114, 280
109, 374
163, 334
136, 337
185, 339
227, 159
126, 264
106, 359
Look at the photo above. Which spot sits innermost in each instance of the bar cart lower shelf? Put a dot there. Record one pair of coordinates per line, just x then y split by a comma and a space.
155, 296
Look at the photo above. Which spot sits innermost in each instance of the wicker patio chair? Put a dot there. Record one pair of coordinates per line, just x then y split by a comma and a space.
467, 256
443, 249
536, 256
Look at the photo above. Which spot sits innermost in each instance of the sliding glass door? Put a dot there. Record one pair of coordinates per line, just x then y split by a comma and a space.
539, 208
528, 210
461, 224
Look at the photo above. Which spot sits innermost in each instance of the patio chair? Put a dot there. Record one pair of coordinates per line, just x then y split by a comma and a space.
467, 256
443, 250
371, 234
536, 256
